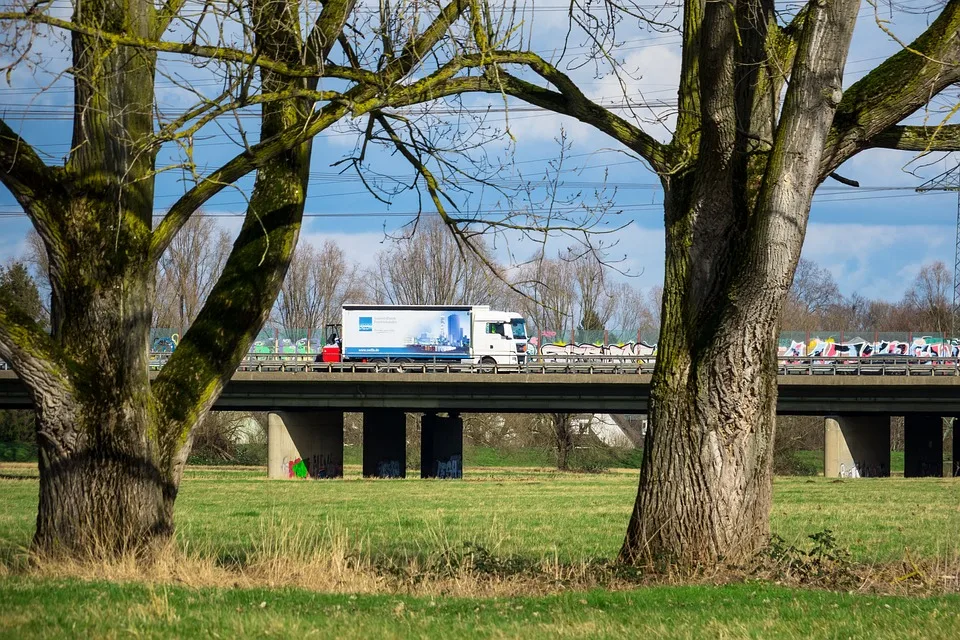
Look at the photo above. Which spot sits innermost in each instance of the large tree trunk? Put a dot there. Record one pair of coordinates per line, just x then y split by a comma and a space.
101, 499
101, 486
735, 223
705, 486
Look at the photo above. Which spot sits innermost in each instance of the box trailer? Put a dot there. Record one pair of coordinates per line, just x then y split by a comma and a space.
409, 333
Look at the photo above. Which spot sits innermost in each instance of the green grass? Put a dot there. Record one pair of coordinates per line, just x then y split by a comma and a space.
519, 511
480, 457
534, 514
54, 609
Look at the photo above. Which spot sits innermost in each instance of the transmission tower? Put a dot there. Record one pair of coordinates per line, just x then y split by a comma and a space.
950, 181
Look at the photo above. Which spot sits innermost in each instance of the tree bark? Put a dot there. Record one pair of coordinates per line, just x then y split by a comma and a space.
563, 439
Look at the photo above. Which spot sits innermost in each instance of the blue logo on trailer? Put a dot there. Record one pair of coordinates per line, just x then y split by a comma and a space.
366, 323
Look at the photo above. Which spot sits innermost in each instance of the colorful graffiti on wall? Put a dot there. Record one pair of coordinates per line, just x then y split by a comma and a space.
922, 347
628, 349
269, 343
316, 466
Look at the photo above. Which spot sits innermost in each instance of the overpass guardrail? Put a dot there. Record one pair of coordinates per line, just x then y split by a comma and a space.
593, 364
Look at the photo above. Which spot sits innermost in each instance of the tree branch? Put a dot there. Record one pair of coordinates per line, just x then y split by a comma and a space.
569, 100
898, 87
416, 48
29, 179
166, 14
687, 135
21, 169
225, 54
239, 166
326, 30
918, 138
32, 353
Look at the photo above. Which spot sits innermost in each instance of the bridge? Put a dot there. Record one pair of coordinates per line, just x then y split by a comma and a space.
306, 402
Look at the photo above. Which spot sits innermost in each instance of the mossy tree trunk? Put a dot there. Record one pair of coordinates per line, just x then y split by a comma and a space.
100, 483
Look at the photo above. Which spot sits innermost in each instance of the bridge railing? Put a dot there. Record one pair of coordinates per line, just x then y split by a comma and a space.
595, 364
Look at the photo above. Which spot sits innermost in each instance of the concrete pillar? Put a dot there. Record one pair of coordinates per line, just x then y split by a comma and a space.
384, 444
305, 444
441, 446
956, 448
856, 446
922, 445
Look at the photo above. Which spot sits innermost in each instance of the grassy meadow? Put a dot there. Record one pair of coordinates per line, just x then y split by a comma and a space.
401, 558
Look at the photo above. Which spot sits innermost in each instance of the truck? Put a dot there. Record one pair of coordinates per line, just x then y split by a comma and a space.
417, 333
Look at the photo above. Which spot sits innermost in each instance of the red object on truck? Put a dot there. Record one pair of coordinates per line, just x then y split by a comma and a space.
331, 353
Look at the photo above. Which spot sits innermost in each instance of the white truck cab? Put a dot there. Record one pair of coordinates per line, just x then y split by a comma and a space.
493, 336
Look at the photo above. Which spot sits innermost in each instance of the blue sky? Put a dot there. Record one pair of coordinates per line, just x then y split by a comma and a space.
873, 240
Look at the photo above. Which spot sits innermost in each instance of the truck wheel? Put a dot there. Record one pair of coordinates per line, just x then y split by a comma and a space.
488, 364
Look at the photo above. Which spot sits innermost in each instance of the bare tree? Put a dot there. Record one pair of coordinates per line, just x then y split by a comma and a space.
113, 442
762, 119
317, 285
188, 270
430, 267
594, 292
548, 298
811, 295
634, 310
930, 298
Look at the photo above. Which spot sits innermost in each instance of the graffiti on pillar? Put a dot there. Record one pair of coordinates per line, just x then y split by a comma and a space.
388, 469
298, 469
879, 470
452, 468
325, 466
852, 472
315, 466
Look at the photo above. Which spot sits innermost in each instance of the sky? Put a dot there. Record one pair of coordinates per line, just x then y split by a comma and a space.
873, 239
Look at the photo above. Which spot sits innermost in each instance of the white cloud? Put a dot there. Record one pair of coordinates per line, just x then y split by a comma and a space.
877, 261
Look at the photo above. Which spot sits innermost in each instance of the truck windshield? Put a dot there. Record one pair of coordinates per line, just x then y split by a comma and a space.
519, 329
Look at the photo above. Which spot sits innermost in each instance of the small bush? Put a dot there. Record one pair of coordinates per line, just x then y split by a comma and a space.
794, 463
18, 452
824, 564
253, 455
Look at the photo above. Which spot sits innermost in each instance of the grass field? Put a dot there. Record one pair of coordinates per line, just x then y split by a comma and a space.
238, 518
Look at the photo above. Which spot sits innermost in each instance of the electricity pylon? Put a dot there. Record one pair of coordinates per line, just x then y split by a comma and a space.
950, 181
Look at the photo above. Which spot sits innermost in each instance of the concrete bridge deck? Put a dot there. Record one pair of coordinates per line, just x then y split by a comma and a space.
525, 392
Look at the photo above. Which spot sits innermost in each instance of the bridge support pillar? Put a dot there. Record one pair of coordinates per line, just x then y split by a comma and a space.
955, 465
856, 446
305, 444
922, 445
384, 443
441, 446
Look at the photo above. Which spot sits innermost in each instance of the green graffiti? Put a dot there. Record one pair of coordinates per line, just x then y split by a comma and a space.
300, 468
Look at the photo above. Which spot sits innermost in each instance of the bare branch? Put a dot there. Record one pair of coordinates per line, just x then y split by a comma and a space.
166, 14
569, 100
895, 89
326, 30
225, 54
239, 166
23, 172
36, 186
32, 353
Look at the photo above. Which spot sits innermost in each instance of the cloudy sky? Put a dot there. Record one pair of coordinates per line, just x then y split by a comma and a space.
873, 239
